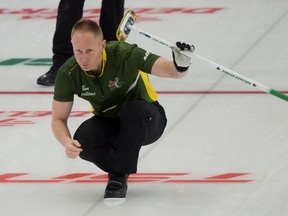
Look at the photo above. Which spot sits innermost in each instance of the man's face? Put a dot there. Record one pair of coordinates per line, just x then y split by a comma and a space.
88, 50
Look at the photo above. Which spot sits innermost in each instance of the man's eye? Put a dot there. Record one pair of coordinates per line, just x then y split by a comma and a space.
89, 51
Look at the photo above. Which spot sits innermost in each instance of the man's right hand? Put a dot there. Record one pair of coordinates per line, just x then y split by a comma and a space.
73, 149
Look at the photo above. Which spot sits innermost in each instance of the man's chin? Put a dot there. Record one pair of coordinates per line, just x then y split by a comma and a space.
86, 68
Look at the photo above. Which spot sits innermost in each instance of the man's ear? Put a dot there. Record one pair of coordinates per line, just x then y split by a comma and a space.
103, 44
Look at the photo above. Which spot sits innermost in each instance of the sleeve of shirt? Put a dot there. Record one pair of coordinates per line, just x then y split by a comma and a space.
145, 59
63, 91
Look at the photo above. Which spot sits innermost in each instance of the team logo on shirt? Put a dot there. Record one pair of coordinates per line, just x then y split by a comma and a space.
86, 92
146, 56
115, 84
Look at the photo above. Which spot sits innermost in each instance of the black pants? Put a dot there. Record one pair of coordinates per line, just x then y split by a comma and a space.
69, 12
114, 143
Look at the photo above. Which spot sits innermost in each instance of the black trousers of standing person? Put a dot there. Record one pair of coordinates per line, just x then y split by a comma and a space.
69, 12
114, 143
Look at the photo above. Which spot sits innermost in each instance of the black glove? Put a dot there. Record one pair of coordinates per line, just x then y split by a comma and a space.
185, 47
182, 61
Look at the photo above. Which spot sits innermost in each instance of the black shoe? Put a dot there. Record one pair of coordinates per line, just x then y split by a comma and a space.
116, 189
48, 78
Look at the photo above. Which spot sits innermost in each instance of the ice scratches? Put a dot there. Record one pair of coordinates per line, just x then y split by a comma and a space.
95, 204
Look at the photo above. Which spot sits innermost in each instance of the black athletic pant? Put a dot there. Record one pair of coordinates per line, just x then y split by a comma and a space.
114, 143
69, 12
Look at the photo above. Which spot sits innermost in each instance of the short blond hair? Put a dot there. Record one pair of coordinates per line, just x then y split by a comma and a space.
87, 25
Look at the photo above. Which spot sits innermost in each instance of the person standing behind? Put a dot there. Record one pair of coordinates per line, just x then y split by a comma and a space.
113, 77
69, 12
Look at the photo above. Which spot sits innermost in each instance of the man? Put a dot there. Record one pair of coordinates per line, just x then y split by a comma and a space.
113, 77
69, 12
